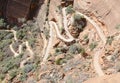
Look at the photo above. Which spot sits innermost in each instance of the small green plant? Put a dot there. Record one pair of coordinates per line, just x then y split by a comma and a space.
4, 34
1, 55
21, 20
2, 76
21, 34
70, 9
79, 22
62, 30
60, 61
46, 33
60, 50
13, 73
76, 49
23, 76
32, 41
69, 56
2, 22
109, 40
92, 46
118, 27
86, 38
10, 63
28, 68
4, 43
69, 80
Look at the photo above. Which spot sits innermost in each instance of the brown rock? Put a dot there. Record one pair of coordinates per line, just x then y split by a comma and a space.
114, 78
52, 8
106, 11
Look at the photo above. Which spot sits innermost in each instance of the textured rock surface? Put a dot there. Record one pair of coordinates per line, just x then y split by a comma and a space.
106, 11
115, 78
42, 14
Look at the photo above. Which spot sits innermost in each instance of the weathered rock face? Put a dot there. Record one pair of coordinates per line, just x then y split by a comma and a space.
14, 9
107, 11
53, 8
41, 17
115, 78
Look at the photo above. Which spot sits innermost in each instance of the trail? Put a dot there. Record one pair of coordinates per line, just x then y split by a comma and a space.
97, 54
15, 53
31, 53
20, 48
14, 33
11, 47
65, 24
53, 25
96, 26
46, 55
96, 63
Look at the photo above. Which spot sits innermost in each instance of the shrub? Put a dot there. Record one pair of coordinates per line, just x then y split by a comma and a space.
9, 36
70, 9
2, 22
32, 41
10, 63
118, 27
3, 34
13, 74
79, 22
1, 55
21, 20
23, 76
21, 34
2, 76
60, 61
92, 46
109, 40
86, 38
61, 50
76, 49
28, 68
